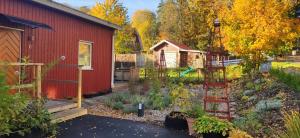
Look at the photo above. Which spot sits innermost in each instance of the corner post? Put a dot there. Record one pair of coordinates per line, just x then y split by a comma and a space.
39, 81
79, 94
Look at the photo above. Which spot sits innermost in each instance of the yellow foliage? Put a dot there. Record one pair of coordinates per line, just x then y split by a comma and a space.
236, 133
258, 26
110, 10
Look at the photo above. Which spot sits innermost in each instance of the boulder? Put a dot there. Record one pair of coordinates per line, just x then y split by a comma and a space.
265, 105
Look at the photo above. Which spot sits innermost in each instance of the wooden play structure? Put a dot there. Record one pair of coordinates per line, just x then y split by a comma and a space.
216, 98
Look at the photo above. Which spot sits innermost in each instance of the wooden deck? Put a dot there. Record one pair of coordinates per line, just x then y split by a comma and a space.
63, 110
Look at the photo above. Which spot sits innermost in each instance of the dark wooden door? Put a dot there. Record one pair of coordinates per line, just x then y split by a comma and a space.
10, 42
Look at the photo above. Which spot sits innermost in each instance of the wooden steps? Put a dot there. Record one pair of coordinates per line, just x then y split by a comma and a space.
61, 107
64, 110
68, 114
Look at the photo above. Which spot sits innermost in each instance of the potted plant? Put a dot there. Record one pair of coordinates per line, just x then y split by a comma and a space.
212, 127
195, 112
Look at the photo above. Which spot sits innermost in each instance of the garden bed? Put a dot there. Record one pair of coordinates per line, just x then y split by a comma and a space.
261, 104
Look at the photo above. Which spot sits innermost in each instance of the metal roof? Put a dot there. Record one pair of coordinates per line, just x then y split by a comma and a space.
75, 12
32, 24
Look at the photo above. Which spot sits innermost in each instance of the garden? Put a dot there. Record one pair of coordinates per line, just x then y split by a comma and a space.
264, 105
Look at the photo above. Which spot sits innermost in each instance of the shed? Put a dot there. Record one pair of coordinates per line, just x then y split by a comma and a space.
178, 55
54, 34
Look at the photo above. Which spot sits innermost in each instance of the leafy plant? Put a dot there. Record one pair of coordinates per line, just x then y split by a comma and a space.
250, 123
236, 133
292, 124
195, 111
118, 105
155, 97
207, 124
181, 97
19, 114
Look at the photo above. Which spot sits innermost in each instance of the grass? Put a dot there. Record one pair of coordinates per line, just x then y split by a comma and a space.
232, 72
290, 79
285, 64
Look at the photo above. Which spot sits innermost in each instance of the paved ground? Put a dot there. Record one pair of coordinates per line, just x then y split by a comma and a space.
90, 126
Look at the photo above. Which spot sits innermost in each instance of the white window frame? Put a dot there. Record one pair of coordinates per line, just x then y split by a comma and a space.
91, 54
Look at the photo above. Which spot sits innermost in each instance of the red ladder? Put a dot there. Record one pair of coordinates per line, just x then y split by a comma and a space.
215, 82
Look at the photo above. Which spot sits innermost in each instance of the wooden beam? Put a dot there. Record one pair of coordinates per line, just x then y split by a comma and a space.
21, 64
39, 81
79, 94
22, 86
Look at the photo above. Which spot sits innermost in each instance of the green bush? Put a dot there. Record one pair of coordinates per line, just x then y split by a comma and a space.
195, 111
118, 105
181, 97
19, 114
250, 123
207, 124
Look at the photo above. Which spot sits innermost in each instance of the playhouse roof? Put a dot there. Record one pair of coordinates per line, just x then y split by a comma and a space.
181, 47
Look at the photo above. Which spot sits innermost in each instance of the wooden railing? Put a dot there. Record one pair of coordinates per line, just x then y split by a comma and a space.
35, 84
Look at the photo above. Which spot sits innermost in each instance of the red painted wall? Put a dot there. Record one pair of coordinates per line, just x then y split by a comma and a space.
49, 46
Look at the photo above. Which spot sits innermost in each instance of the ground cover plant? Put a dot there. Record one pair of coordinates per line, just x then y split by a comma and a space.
261, 103
290, 79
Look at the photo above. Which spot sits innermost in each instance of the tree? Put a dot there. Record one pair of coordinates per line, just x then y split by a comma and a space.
144, 21
253, 28
110, 10
113, 11
168, 18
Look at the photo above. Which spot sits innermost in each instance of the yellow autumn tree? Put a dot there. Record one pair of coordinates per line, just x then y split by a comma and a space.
110, 10
144, 21
114, 11
253, 28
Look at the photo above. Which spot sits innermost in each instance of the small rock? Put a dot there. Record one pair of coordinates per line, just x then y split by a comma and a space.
257, 81
248, 92
252, 98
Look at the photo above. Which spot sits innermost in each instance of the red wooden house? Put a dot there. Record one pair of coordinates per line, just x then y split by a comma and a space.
48, 32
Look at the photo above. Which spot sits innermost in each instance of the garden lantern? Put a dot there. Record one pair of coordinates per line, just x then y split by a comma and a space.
141, 110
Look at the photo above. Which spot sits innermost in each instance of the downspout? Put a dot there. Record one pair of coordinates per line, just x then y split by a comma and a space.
113, 60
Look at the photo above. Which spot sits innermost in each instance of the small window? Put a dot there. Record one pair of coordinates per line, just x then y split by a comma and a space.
85, 54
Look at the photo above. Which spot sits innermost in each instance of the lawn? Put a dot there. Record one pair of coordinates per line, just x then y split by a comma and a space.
285, 64
232, 72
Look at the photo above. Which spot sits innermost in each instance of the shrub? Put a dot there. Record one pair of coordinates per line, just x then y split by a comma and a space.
118, 105
195, 111
19, 114
250, 123
207, 124
181, 97
292, 124
236, 133
155, 97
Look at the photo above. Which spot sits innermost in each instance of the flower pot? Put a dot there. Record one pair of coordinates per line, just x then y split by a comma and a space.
176, 120
190, 122
214, 135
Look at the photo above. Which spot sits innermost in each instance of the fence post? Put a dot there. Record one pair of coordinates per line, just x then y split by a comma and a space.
39, 81
79, 87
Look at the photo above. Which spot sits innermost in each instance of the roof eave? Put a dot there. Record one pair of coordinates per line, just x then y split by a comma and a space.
75, 12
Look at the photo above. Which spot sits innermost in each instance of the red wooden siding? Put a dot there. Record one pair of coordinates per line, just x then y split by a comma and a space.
49, 46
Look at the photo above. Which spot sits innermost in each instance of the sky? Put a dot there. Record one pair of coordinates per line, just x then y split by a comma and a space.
132, 5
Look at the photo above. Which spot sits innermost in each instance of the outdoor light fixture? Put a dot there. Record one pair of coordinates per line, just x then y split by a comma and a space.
141, 110
217, 23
